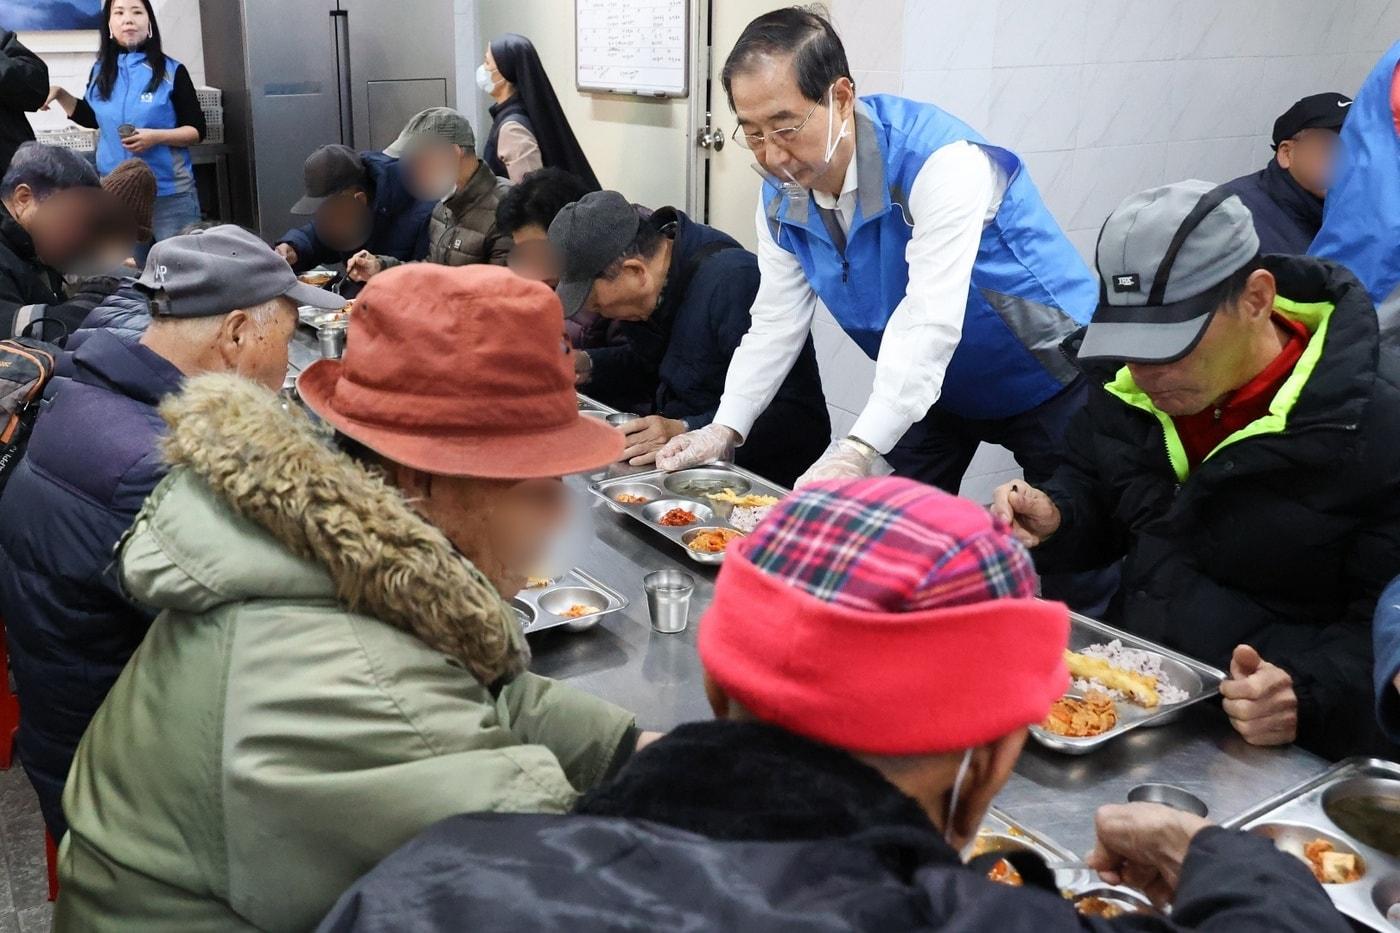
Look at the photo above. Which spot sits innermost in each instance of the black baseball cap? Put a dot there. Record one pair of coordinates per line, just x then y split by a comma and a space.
1161, 255
1323, 111
329, 171
215, 271
589, 235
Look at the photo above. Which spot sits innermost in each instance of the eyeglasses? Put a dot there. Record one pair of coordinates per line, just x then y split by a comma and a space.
783, 137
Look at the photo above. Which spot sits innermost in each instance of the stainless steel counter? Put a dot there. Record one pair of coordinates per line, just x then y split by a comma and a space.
659, 678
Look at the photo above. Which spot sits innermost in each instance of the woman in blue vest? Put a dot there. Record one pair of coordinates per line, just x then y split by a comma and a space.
931, 248
142, 103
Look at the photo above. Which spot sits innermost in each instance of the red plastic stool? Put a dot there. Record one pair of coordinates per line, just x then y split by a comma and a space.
9, 706
51, 857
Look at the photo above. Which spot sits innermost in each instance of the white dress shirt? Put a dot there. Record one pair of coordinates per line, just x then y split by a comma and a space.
955, 194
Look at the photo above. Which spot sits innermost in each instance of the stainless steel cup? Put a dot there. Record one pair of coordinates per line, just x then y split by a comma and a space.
332, 340
668, 599
1169, 795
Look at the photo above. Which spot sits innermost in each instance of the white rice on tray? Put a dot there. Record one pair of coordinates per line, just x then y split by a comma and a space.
746, 517
1136, 661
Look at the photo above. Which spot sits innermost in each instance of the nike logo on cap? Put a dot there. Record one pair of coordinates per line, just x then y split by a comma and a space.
1343, 103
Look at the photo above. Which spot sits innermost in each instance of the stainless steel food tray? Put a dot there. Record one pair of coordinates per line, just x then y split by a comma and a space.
593, 407
543, 607
1301, 813
685, 489
999, 825
1199, 680
1005, 833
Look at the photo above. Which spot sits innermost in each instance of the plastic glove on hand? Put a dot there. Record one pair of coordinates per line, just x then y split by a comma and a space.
844, 459
712, 442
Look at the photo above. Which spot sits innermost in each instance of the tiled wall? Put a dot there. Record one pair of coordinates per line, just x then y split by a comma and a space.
70, 54
1102, 98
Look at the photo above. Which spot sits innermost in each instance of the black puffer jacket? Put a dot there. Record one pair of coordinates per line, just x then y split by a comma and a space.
24, 83
754, 829
1282, 541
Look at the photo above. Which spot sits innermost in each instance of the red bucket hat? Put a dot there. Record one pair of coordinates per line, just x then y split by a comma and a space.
460, 372
886, 617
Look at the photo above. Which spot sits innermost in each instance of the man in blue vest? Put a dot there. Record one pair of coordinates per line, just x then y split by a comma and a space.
930, 247
1361, 223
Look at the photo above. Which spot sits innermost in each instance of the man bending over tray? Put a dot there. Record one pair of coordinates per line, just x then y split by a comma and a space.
865, 719
1242, 461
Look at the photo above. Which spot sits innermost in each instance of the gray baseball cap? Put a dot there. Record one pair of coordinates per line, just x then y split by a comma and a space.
436, 124
221, 269
589, 236
1161, 254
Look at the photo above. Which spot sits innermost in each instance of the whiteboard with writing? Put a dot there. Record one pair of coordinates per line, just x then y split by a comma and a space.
632, 46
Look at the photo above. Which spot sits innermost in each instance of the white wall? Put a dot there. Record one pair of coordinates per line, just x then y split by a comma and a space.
1101, 98
70, 54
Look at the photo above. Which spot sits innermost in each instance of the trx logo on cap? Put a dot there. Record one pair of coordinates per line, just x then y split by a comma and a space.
1127, 283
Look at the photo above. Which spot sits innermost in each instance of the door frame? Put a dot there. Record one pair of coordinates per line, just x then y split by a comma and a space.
701, 73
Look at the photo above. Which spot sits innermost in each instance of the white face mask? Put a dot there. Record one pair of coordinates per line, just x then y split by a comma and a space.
484, 79
831, 144
957, 792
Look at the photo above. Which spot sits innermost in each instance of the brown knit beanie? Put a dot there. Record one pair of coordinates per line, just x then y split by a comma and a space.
134, 185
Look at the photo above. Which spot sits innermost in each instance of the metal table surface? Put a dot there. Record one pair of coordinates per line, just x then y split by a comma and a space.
659, 678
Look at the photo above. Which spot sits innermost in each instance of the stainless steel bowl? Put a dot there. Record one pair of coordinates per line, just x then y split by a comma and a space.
649, 492
702, 482
618, 418
1386, 894
700, 556
560, 600
1377, 823
1169, 795
657, 510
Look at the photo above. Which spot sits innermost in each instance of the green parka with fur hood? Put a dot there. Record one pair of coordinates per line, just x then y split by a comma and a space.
323, 682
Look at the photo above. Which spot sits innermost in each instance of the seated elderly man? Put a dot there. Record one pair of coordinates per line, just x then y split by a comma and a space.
54, 215
438, 153
356, 201
1243, 463
524, 214
874, 655
335, 666
683, 292
223, 302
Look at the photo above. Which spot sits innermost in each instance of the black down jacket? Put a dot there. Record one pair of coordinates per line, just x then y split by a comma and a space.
1282, 540
748, 828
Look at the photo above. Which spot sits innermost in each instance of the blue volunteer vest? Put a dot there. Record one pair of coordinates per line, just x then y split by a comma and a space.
132, 103
1029, 288
1361, 216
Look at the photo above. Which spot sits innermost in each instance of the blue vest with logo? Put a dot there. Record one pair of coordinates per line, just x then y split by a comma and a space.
1361, 216
1029, 288
132, 103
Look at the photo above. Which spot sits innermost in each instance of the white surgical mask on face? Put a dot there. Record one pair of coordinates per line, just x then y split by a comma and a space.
484, 80
957, 792
831, 144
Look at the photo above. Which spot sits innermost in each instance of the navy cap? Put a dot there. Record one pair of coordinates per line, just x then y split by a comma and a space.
1325, 111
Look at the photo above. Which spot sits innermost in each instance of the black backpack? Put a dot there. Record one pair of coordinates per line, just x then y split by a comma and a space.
26, 368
